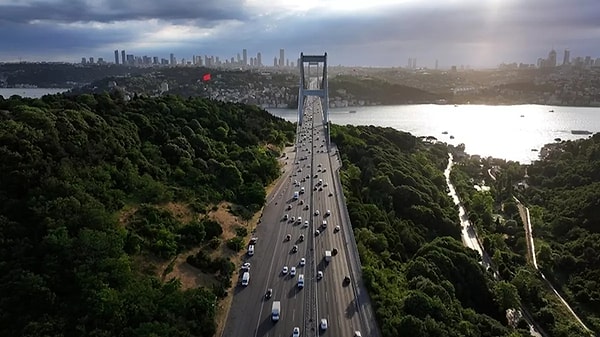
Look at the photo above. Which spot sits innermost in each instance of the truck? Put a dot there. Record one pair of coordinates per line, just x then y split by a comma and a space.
276, 311
327, 255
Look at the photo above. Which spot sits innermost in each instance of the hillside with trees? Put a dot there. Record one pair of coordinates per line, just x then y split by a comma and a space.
72, 164
421, 279
561, 194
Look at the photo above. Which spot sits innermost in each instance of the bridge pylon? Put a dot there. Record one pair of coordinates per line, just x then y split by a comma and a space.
313, 84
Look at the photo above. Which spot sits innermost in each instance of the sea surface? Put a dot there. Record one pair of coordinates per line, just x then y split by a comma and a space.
30, 92
511, 132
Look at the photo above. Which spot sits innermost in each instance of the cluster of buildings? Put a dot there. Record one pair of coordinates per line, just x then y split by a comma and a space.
240, 61
552, 61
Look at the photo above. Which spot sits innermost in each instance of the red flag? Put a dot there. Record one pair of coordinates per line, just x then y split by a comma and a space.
206, 77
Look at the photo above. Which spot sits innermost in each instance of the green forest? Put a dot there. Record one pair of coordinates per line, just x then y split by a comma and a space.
561, 192
421, 279
71, 164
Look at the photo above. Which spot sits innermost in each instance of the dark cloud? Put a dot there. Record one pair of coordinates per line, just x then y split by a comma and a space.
66, 11
469, 32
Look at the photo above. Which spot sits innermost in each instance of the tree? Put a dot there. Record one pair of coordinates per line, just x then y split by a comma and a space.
506, 295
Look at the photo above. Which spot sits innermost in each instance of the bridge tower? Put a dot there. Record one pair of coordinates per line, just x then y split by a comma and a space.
313, 84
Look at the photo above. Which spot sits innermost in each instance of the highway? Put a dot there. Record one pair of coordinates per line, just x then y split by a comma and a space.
309, 167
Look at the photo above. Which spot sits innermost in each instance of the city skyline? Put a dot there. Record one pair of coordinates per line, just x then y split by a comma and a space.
382, 33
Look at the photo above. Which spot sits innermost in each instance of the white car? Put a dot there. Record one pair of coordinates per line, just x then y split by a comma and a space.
319, 275
302, 261
296, 332
336, 229
328, 213
285, 270
293, 271
323, 324
306, 223
317, 212
246, 266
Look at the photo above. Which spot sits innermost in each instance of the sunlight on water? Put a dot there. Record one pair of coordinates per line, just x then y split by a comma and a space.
509, 132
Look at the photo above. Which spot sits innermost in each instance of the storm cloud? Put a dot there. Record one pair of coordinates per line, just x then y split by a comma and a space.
480, 33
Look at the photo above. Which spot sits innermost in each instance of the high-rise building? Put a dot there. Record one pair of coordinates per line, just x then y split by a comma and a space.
551, 58
116, 57
91, 60
245, 57
259, 59
275, 62
123, 59
281, 57
436, 64
172, 59
567, 57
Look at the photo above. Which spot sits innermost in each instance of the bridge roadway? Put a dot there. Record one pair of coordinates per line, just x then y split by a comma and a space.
330, 298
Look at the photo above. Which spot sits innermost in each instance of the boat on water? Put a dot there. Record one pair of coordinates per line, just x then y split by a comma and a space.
581, 132
534, 150
352, 111
522, 115
445, 133
451, 137
551, 110
557, 139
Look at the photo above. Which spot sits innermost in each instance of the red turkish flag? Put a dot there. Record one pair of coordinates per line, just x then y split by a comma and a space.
206, 77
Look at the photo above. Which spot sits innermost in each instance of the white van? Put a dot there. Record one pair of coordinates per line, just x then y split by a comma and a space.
245, 278
251, 250
300, 280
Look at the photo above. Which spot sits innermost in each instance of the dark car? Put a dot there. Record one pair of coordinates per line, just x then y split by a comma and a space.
346, 280
334, 251
269, 293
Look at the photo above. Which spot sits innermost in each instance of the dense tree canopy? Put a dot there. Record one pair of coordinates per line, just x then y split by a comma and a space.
422, 280
69, 165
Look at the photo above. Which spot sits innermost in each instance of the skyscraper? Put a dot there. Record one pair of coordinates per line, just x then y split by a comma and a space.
245, 57
123, 59
116, 57
281, 57
259, 59
567, 57
552, 58
172, 59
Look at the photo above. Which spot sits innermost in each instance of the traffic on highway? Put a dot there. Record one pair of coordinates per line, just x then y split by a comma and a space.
296, 277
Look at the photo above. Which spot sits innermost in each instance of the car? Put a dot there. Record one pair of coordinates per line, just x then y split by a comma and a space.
294, 249
301, 237
317, 212
320, 165
323, 324
317, 232
324, 169
320, 188
325, 184
293, 218
269, 293
302, 261
253, 240
306, 208
319, 275
285, 217
296, 332
328, 213
357, 334
301, 202
306, 223
289, 207
288, 237
315, 188
346, 279
336, 229
284, 270
331, 194
293, 271
334, 251
246, 266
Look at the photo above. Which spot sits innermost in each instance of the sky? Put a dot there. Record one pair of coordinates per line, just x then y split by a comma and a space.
372, 33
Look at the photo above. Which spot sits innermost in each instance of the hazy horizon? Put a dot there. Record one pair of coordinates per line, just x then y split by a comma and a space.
380, 33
